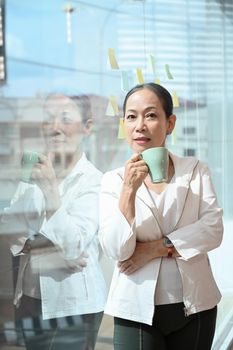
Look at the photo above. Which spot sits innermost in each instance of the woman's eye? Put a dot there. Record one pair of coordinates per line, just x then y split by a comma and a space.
66, 118
151, 116
130, 117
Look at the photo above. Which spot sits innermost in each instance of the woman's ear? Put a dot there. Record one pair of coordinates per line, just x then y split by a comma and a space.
87, 128
171, 123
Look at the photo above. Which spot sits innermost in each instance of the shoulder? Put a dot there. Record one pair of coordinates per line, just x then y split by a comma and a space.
113, 179
91, 172
90, 168
114, 174
186, 163
189, 165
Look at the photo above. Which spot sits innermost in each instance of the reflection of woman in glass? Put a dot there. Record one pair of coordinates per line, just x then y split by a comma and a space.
163, 294
55, 217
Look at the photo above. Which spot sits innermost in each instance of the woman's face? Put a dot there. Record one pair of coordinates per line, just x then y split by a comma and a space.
62, 127
145, 121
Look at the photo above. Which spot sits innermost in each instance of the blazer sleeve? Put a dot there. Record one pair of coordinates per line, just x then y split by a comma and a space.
204, 234
22, 219
74, 226
117, 237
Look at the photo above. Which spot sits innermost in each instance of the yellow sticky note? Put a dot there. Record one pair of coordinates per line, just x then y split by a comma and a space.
169, 74
152, 64
112, 59
121, 131
139, 76
174, 136
175, 99
157, 81
114, 104
110, 110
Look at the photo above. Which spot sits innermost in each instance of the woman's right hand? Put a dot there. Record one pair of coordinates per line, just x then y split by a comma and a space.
136, 171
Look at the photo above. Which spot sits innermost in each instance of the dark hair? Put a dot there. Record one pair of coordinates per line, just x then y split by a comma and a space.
82, 102
163, 95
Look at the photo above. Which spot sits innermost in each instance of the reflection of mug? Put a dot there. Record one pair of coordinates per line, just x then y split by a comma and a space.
157, 160
29, 159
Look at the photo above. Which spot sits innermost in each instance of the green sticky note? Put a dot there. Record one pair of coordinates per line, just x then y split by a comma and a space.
124, 81
167, 68
152, 64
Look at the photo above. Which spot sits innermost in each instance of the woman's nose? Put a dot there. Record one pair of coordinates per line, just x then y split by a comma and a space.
55, 124
140, 124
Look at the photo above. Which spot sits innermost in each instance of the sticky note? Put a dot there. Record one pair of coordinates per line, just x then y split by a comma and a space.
124, 81
157, 81
112, 108
112, 59
174, 136
113, 101
152, 64
121, 131
139, 76
175, 99
167, 69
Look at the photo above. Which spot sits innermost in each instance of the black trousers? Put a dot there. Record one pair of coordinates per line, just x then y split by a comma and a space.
170, 330
77, 332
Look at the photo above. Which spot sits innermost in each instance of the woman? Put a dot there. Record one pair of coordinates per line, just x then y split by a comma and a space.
159, 302
55, 221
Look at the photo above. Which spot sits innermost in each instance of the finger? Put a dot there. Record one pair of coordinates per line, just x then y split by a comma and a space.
85, 255
135, 158
37, 167
42, 158
76, 269
125, 265
82, 263
141, 162
129, 270
136, 165
123, 268
143, 170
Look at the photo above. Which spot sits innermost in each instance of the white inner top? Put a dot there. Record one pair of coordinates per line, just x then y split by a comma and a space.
169, 285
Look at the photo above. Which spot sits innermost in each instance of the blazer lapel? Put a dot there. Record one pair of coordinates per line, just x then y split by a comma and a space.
184, 168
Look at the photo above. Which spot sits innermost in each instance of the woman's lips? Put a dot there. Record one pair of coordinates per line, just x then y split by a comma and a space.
54, 140
141, 140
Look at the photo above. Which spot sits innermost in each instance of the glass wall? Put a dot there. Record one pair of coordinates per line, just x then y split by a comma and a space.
99, 49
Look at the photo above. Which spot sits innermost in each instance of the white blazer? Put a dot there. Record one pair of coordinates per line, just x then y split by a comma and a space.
73, 230
197, 229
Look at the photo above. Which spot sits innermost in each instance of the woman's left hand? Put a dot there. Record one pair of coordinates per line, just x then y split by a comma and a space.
143, 254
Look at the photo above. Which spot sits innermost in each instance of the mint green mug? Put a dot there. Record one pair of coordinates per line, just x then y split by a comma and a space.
157, 160
29, 159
